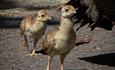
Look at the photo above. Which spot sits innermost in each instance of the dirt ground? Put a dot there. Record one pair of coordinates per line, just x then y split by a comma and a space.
15, 57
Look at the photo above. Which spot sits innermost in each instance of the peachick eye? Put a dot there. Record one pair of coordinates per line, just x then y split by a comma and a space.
42, 15
66, 10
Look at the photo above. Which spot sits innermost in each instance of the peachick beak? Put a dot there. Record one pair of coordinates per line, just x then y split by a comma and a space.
74, 12
50, 18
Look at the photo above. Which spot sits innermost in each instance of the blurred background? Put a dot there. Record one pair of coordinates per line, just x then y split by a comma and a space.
98, 54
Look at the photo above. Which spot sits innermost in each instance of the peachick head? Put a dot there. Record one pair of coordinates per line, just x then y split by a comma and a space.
68, 11
43, 15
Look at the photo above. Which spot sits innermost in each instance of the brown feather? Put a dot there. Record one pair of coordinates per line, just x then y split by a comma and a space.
27, 22
49, 39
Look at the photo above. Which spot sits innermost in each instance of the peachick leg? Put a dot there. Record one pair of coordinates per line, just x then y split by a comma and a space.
35, 42
25, 43
62, 57
49, 62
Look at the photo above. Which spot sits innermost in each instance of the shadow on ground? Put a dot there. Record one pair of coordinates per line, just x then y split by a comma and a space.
7, 4
9, 22
14, 22
104, 59
103, 7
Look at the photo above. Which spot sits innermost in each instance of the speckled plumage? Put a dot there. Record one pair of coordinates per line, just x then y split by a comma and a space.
34, 26
61, 41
